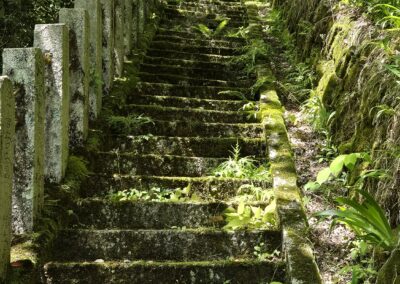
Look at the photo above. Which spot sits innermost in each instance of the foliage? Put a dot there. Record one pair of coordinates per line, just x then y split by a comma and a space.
210, 33
127, 124
155, 194
255, 50
317, 114
366, 219
245, 168
246, 216
76, 173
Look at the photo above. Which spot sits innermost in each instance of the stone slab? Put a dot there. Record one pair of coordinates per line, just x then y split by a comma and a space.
108, 12
119, 48
25, 68
7, 141
77, 21
53, 40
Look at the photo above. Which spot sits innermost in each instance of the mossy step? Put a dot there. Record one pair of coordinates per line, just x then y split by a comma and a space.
187, 21
198, 49
192, 34
167, 165
186, 146
199, 115
186, 128
181, 102
162, 245
189, 63
208, 8
176, 54
199, 41
192, 72
218, 188
143, 272
186, 80
200, 92
103, 214
209, 17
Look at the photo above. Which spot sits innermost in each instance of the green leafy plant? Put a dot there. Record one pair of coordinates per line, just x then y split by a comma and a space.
210, 33
262, 255
245, 167
127, 124
246, 216
255, 50
155, 194
366, 219
316, 113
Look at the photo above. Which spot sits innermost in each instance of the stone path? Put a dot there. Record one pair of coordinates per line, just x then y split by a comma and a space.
194, 129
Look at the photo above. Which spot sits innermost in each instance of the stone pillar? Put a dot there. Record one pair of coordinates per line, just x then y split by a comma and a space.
53, 40
77, 21
7, 139
96, 38
108, 13
25, 68
119, 49
141, 19
128, 26
135, 22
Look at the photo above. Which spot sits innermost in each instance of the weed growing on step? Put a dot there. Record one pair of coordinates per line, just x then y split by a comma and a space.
247, 216
262, 255
212, 33
244, 168
156, 194
256, 209
253, 52
124, 125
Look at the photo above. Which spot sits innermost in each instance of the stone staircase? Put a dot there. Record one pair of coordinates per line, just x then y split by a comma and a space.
194, 129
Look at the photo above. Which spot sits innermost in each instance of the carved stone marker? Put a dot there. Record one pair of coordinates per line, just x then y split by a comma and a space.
77, 21
119, 49
7, 139
96, 38
25, 68
108, 44
53, 40
128, 13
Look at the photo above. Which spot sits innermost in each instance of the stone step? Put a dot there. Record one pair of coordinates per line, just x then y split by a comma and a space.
188, 20
213, 187
199, 41
162, 245
192, 72
143, 272
184, 128
192, 81
192, 115
199, 92
167, 165
192, 34
182, 102
204, 8
186, 146
176, 54
197, 49
102, 214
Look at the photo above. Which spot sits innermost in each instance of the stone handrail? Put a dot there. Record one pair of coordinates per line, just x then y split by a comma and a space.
49, 94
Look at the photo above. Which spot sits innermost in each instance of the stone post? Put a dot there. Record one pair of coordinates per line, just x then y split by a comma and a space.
25, 68
141, 19
135, 22
96, 38
7, 139
108, 44
119, 49
128, 26
53, 40
77, 21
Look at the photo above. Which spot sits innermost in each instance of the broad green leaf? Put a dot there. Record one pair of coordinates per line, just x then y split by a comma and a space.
337, 164
324, 175
350, 161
